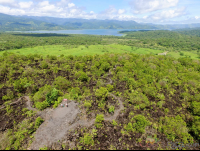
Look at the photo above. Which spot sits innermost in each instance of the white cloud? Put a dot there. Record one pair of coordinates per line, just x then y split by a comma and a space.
197, 17
121, 11
145, 6
25, 4
71, 5
168, 14
10, 3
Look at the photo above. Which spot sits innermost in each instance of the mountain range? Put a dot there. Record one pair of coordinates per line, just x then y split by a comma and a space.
31, 23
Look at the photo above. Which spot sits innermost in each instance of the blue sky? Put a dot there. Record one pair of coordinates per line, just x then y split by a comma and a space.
142, 11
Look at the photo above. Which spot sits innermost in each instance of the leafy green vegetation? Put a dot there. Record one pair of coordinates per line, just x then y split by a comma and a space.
159, 94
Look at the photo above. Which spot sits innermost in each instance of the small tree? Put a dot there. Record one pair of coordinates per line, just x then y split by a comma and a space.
101, 93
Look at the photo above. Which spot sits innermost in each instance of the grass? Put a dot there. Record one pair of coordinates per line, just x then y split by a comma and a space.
81, 50
94, 49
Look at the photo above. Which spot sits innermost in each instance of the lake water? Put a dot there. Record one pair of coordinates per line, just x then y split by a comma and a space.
113, 32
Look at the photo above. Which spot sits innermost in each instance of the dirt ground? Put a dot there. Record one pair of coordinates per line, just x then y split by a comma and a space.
57, 122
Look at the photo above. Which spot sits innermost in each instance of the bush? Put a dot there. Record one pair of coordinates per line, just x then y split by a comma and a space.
139, 123
98, 120
195, 106
195, 128
75, 92
61, 83
110, 87
41, 94
44, 65
38, 122
87, 104
82, 76
41, 105
87, 139
138, 98
105, 66
19, 85
175, 128
52, 96
101, 93
111, 109
8, 96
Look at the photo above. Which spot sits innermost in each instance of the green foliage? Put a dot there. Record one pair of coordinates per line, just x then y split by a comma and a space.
75, 93
19, 85
175, 128
44, 65
38, 122
8, 96
43, 148
41, 94
87, 104
61, 83
110, 87
137, 98
139, 123
98, 120
41, 105
87, 140
105, 66
114, 123
82, 76
101, 93
111, 109
129, 127
52, 96
195, 128
195, 106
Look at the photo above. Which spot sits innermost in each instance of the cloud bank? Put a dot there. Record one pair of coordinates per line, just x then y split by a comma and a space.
153, 11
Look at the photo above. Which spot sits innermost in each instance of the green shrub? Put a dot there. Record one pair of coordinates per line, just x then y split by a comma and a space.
44, 65
111, 109
139, 123
82, 76
43, 148
105, 66
38, 122
138, 98
175, 128
195, 106
129, 127
195, 128
41, 94
110, 87
87, 139
114, 123
41, 105
98, 120
160, 104
87, 104
75, 92
101, 93
52, 96
8, 96
19, 85
61, 83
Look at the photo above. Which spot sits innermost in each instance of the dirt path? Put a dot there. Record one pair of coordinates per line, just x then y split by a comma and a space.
62, 119
12, 103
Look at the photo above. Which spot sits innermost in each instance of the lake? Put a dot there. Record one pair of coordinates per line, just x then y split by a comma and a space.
113, 32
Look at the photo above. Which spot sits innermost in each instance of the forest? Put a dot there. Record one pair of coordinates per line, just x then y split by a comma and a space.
117, 100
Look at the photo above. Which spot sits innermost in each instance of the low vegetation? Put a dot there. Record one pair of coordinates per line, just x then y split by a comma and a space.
160, 95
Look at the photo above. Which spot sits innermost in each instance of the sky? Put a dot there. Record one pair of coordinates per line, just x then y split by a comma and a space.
141, 11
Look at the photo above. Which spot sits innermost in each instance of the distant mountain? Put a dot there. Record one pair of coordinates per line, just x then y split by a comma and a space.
76, 23
31, 23
15, 23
